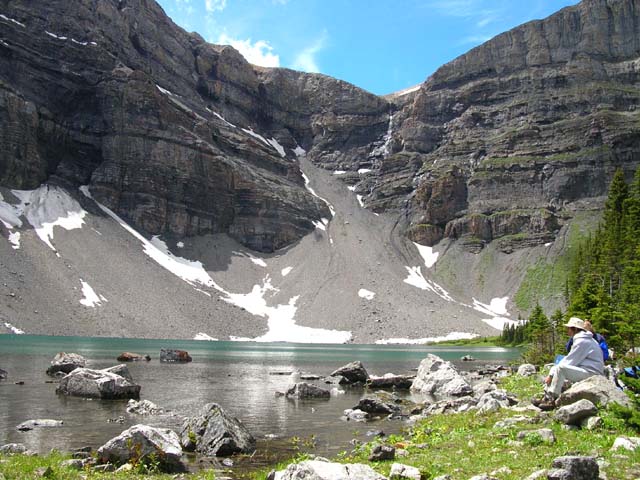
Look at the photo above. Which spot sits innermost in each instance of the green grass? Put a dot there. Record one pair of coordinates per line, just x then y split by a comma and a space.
476, 342
466, 444
545, 280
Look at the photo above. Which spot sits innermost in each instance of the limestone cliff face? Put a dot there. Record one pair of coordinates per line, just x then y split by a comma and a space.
185, 138
527, 127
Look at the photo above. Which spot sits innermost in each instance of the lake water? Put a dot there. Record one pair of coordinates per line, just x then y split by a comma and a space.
241, 377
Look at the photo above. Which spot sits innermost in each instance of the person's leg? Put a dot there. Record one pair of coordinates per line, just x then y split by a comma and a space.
566, 372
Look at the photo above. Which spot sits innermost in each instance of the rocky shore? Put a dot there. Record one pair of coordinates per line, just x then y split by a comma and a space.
492, 402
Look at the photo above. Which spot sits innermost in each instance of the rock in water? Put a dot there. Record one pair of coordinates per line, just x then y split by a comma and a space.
66, 363
352, 373
307, 390
3, 374
174, 356
39, 423
84, 382
440, 378
397, 382
215, 433
132, 357
144, 444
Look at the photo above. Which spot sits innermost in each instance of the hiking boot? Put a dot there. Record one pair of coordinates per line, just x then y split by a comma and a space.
544, 403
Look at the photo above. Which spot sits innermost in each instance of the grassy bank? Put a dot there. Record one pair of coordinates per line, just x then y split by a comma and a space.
461, 445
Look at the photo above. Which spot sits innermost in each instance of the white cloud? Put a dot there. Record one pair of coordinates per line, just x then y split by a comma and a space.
213, 5
259, 53
306, 59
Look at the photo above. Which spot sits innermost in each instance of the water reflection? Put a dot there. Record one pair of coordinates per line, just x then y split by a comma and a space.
239, 376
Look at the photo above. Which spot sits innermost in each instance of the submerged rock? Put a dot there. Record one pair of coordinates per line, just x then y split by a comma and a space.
143, 407
174, 356
39, 423
390, 380
13, 448
307, 390
213, 432
375, 405
103, 384
144, 444
64, 363
351, 373
132, 357
3, 374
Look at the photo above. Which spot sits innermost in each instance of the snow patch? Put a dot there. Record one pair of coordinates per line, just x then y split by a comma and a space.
286, 271
12, 20
364, 170
45, 208
164, 90
279, 148
359, 198
312, 191
91, 299
407, 91
420, 341
548, 244
223, 119
258, 261
299, 151
351, 188
499, 322
180, 244
497, 306
416, 279
430, 257
14, 239
13, 329
54, 35
204, 336
339, 172
363, 293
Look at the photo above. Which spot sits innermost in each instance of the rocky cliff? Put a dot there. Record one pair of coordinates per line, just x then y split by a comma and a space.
502, 147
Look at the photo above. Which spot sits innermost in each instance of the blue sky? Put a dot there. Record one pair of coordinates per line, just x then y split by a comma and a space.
380, 45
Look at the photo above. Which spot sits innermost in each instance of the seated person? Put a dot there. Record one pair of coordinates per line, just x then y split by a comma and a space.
583, 361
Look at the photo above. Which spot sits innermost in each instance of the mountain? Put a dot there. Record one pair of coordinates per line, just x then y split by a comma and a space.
175, 189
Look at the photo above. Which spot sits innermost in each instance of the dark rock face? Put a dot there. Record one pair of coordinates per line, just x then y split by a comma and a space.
574, 468
3, 374
215, 433
307, 390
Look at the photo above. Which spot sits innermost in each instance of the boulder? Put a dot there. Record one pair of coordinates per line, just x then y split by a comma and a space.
626, 443
400, 471
372, 404
39, 423
307, 390
103, 384
73, 463
132, 357
440, 378
597, 389
351, 373
215, 433
574, 468
576, 412
526, 370
493, 401
143, 407
3, 374
389, 380
320, 470
64, 363
144, 444
121, 370
355, 415
12, 448
382, 452
545, 434
592, 423
168, 355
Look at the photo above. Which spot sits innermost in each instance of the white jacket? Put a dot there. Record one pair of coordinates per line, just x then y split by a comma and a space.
585, 353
